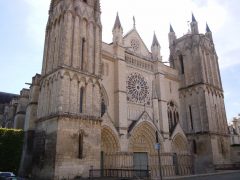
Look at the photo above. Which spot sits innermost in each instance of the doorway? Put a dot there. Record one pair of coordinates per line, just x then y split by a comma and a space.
140, 164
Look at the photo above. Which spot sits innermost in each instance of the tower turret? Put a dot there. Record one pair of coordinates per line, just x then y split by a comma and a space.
155, 48
70, 91
209, 33
117, 32
201, 98
194, 25
171, 36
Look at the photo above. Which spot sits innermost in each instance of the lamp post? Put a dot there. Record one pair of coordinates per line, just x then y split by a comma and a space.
157, 146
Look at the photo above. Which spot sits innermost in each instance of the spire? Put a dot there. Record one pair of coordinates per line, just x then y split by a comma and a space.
207, 28
155, 41
193, 18
117, 24
209, 33
171, 28
171, 36
134, 22
117, 31
194, 25
155, 48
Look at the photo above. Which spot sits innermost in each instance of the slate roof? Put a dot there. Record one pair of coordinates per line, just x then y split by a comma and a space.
6, 97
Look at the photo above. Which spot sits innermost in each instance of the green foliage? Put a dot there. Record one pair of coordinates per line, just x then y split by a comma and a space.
11, 142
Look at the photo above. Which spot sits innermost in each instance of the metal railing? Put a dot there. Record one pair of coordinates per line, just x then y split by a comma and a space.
119, 173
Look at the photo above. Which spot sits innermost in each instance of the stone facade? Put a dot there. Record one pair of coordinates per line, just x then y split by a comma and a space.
102, 105
13, 109
234, 129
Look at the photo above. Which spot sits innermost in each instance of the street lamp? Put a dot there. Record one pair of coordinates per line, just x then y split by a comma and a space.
157, 146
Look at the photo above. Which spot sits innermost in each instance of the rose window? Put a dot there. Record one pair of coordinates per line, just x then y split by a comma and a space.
137, 89
135, 44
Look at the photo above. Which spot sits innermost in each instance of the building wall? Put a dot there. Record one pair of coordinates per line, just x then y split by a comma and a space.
114, 99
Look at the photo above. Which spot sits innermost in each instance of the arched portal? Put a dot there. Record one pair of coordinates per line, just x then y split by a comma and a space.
109, 141
142, 145
143, 138
110, 148
179, 144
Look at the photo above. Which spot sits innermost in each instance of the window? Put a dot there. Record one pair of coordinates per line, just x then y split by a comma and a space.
81, 100
85, 1
83, 52
80, 147
173, 116
170, 87
191, 118
181, 63
194, 146
103, 108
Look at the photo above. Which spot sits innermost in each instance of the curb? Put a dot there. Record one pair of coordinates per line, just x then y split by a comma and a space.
200, 175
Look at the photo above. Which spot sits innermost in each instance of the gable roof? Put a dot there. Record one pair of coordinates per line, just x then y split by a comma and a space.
132, 32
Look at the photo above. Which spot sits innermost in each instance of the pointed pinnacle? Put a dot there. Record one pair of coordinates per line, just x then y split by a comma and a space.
117, 23
193, 18
155, 41
171, 28
207, 28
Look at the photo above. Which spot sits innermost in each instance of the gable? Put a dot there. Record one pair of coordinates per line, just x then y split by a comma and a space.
135, 44
143, 117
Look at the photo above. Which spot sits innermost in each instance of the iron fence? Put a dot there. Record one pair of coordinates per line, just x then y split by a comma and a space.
119, 173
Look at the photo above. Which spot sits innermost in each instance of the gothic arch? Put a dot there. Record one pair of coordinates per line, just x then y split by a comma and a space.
143, 138
83, 81
173, 115
104, 95
109, 140
179, 144
75, 77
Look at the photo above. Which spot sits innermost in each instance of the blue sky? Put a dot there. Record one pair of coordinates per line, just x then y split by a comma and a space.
23, 26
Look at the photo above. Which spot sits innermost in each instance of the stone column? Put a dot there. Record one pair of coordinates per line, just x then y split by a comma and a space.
120, 95
76, 44
29, 128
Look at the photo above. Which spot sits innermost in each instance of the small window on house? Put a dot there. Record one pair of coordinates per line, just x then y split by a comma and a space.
80, 146
81, 100
181, 63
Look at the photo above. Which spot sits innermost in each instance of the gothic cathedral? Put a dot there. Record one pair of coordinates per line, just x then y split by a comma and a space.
101, 106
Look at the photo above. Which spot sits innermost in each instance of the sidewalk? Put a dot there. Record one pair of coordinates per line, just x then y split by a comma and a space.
200, 175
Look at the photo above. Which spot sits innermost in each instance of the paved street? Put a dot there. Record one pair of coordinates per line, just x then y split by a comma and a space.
231, 176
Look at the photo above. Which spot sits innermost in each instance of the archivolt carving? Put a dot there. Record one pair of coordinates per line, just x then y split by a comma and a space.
179, 144
143, 138
109, 140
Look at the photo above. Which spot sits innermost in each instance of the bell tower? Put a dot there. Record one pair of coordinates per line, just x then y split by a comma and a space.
201, 97
67, 129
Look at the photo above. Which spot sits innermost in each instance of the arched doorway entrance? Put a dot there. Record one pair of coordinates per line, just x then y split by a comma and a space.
142, 145
179, 144
109, 148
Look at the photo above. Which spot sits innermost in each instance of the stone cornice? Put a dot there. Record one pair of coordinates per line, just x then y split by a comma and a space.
207, 133
70, 115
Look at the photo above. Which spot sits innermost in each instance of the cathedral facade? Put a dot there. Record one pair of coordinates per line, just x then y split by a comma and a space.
101, 106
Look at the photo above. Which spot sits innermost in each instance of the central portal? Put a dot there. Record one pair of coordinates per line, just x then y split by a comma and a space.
140, 162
